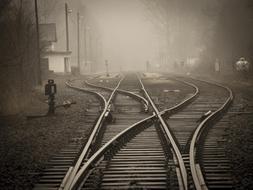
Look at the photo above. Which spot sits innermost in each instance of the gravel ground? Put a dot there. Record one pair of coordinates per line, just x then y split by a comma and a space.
240, 150
240, 135
27, 145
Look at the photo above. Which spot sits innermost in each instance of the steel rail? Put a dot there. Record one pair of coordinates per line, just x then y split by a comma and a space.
182, 168
145, 102
183, 103
73, 171
100, 153
196, 173
100, 96
103, 100
84, 171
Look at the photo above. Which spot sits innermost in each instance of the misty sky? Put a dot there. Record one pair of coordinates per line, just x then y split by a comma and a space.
128, 38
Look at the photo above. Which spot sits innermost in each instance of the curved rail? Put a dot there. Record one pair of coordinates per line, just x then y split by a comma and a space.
84, 171
100, 96
183, 103
73, 171
180, 162
196, 173
144, 101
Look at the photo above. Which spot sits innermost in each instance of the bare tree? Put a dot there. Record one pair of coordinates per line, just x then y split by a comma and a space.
17, 54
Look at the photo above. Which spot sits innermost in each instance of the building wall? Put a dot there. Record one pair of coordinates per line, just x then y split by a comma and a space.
56, 63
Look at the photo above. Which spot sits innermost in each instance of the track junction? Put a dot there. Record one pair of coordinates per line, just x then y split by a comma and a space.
140, 139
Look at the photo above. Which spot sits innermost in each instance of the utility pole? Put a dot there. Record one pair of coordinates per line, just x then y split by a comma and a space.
90, 49
106, 67
85, 46
67, 11
78, 42
38, 43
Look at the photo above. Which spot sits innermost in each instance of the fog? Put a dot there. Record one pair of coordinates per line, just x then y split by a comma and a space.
163, 32
128, 38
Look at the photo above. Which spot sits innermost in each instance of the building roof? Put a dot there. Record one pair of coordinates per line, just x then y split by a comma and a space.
48, 32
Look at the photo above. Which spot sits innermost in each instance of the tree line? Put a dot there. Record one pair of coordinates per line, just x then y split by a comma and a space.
18, 54
210, 30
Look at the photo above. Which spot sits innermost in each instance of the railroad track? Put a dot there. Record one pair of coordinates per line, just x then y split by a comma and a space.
201, 140
84, 84
125, 111
144, 155
210, 166
160, 151
60, 163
